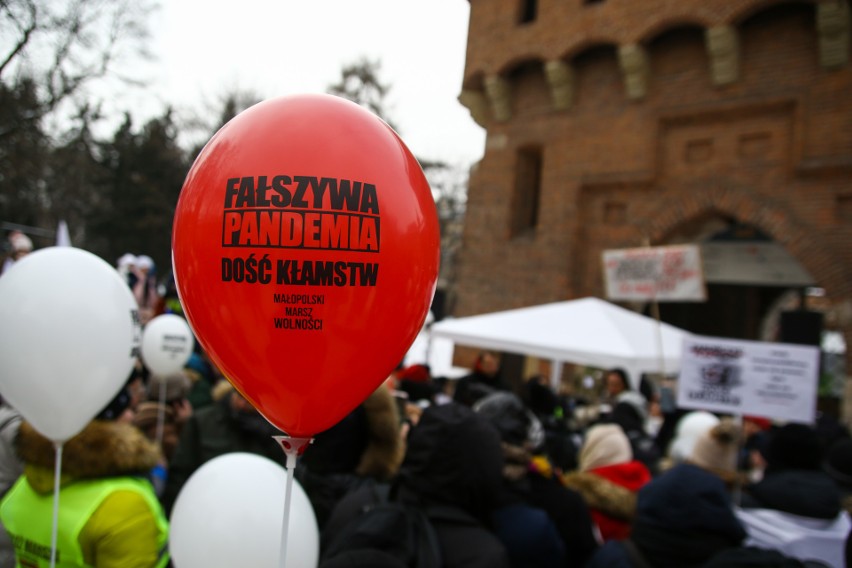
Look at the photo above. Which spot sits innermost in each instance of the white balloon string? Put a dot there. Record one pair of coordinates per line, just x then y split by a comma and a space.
161, 413
292, 448
285, 525
54, 532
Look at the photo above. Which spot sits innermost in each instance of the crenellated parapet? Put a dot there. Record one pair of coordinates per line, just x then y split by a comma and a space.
723, 50
498, 93
633, 60
560, 79
833, 27
511, 44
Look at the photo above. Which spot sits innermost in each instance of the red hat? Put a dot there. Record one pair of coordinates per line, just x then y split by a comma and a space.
759, 421
416, 373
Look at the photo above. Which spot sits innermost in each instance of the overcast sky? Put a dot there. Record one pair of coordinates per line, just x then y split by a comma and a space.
276, 47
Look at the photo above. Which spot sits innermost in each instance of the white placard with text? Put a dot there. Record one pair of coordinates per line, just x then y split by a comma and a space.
773, 380
667, 273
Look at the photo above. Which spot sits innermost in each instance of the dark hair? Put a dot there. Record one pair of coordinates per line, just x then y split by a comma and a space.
622, 374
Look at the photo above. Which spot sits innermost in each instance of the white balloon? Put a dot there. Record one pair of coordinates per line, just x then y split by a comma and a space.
230, 513
69, 337
167, 344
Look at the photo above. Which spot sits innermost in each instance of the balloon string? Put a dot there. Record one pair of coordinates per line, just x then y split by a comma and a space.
292, 447
288, 489
54, 532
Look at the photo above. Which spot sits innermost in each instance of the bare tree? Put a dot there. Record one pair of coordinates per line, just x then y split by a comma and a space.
62, 46
360, 83
449, 188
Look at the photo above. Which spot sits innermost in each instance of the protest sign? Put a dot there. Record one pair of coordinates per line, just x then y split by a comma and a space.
773, 380
668, 273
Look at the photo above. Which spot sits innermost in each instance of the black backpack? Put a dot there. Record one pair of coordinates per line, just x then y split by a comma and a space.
398, 529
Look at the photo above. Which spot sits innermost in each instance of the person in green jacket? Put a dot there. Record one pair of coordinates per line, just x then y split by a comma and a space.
109, 515
231, 424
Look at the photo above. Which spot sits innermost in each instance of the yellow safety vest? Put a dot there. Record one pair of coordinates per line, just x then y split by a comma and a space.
28, 518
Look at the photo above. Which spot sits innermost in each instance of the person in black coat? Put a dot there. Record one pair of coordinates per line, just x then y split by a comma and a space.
452, 474
684, 518
794, 481
797, 507
566, 534
453, 471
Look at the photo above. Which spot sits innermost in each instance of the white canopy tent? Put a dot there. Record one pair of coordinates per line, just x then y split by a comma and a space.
587, 331
437, 352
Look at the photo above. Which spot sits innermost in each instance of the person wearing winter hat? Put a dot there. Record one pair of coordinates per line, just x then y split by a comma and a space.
416, 382
566, 534
796, 507
608, 478
687, 430
716, 451
452, 470
451, 473
110, 515
683, 519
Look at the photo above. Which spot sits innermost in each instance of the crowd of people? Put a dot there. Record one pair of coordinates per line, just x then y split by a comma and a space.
504, 474
632, 482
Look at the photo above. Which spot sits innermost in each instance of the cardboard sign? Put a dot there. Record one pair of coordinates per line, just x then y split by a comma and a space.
671, 273
774, 380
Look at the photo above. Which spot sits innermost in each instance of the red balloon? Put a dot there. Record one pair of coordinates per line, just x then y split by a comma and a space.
305, 248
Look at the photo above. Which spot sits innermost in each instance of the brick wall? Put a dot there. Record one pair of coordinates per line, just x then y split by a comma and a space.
653, 140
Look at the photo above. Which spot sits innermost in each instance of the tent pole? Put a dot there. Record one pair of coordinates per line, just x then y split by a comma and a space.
655, 308
556, 374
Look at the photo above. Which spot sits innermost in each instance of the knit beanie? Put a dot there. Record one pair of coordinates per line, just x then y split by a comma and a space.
684, 517
687, 431
794, 446
716, 450
605, 444
688, 501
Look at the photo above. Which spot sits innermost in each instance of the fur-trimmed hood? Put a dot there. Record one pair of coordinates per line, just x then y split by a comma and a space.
385, 450
602, 494
102, 449
366, 442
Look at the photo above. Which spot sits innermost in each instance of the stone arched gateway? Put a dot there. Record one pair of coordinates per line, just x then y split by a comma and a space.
773, 217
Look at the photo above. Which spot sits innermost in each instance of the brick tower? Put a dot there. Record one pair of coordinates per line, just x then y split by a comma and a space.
622, 123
